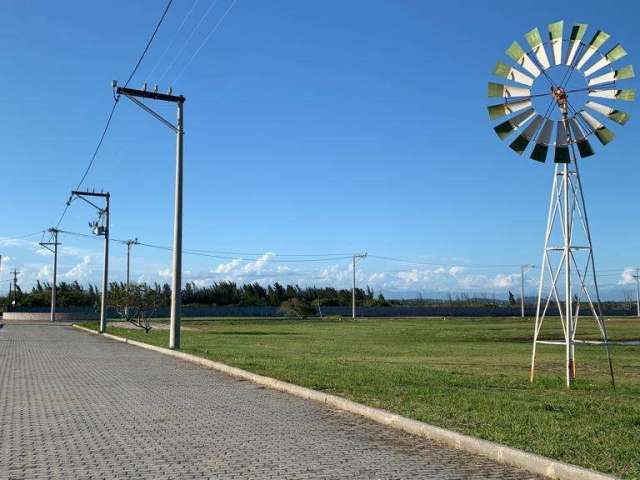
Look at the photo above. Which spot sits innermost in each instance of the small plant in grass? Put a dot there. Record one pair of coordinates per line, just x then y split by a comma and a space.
136, 303
294, 307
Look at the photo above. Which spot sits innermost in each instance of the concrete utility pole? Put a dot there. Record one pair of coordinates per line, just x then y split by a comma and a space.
15, 288
178, 128
129, 244
637, 277
523, 270
54, 233
353, 290
100, 230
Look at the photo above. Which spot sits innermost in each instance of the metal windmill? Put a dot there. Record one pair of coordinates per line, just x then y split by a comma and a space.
549, 102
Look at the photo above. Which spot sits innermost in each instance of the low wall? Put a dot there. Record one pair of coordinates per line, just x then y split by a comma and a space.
79, 314
45, 317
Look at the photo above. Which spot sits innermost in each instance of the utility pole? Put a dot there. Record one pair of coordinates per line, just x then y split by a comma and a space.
523, 270
98, 229
129, 244
178, 129
637, 277
353, 290
15, 288
54, 234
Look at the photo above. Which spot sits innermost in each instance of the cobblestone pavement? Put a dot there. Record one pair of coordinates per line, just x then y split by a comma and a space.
77, 406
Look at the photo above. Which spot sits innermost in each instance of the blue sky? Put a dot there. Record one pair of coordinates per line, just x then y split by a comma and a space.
311, 127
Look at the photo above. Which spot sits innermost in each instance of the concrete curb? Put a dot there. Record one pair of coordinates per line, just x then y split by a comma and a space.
500, 453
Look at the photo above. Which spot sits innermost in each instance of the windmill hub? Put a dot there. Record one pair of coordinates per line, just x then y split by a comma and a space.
561, 98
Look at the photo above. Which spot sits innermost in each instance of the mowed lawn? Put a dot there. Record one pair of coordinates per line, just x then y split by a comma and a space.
465, 374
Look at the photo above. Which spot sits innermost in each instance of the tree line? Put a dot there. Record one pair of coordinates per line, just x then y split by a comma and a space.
223, 293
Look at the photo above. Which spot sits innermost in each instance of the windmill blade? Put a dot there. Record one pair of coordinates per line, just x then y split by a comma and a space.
626, 94
562, 144
555, 35
535, 42
505, 128
506, 91
577, 33
507, 108
596, 42
613, 55
519, 145
512, 73
623, 73
609, 112
603, 133
519, 56
584, 147
539, 152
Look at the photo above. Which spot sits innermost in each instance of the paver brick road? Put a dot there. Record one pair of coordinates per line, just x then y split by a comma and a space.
77, 406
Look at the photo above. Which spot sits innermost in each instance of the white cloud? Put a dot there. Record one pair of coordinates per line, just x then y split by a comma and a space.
258, 265
11, 242
44, 273
455, 270
229, 266
505, 281
377, 278
6, 259
165, 273
409, 278
626, 277
438, 279
73, 251
81, 271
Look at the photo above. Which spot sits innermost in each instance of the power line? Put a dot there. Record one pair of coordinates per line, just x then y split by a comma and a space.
321, 257
204, 253
21, 237
215, 28
193, 31
173, 41
432, 264
146, 48
279, 254
95, 152
113, 109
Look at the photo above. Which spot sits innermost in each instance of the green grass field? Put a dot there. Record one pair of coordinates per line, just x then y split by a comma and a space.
465, 374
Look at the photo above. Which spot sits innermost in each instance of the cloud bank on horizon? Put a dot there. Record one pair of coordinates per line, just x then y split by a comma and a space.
85, 266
